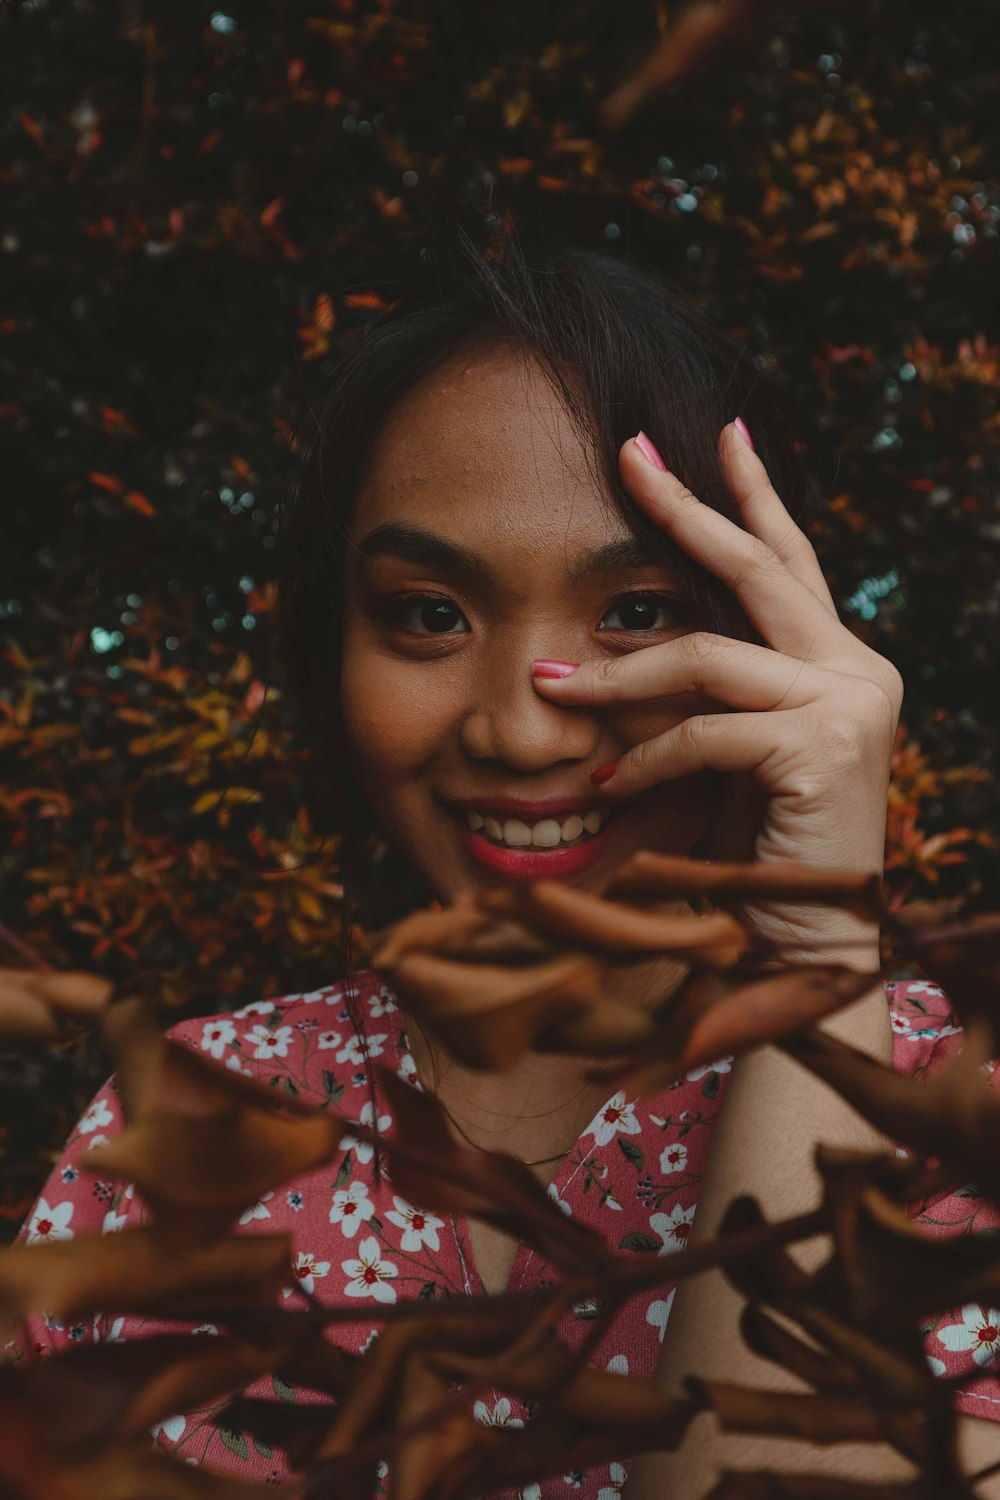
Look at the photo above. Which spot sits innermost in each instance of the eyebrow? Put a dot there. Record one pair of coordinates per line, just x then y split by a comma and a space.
411, 544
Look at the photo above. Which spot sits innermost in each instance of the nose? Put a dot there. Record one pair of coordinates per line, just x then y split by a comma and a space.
512, 724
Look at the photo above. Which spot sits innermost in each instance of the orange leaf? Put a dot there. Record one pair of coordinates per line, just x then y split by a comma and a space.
108, 482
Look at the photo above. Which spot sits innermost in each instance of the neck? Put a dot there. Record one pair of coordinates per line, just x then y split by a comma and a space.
537, 1109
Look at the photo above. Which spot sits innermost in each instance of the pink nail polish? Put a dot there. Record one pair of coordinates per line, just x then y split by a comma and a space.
542, 668
604, 773
744, 432
649, 453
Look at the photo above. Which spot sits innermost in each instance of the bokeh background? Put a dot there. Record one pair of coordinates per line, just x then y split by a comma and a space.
191, 197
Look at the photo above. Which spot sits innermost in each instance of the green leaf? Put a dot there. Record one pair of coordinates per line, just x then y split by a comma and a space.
331, 1088
344, 1170
263, 1449
235, 1442
639, 1240
427, 1292
710, 1086
290, 1087
281, 1390
631, 1152
969, 1191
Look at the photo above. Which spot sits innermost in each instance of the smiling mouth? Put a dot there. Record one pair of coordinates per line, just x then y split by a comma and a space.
539, 834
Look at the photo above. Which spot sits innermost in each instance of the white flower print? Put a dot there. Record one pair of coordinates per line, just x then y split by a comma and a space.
96, 1140
407, 1069
419, 1228
674, 1158
923, 987
360, 1047
328, 1039
331, 996
979, 1331
381, 1003
724, 1065
115, 1221
560, 1203
614, 1117
673, 1228
258, 1211
937, 1366
233, 1062
364, 1150
497, 1416
295, 1200
256, 1008
929, 1032
369, 1274
658, 1312
900, 1024
97, 1115
618, 1364
267, 1044
617, 1474
351, 1207
306, 1271
216, 1037
48, 1224
171, 1427
114, 1333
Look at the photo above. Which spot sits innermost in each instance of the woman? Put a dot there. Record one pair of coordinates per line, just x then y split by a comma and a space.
542, 607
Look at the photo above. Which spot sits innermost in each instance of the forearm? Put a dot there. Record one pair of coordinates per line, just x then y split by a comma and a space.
774, 1115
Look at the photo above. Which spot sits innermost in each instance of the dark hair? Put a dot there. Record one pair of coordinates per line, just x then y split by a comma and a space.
625, 348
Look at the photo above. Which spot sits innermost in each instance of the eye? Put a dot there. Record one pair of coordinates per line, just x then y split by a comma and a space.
427, 614
638, 613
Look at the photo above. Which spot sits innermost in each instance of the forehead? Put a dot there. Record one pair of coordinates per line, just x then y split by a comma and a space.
484, 450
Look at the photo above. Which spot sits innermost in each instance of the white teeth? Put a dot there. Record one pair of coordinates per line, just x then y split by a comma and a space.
516, 833
546, 835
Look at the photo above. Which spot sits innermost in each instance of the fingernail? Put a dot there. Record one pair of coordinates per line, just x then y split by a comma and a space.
604, 773
744, 432
648, 451
542, 668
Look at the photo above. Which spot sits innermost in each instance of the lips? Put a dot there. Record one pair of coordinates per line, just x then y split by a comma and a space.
531, 863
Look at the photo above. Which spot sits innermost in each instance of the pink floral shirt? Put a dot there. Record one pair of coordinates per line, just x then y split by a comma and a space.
634, 1174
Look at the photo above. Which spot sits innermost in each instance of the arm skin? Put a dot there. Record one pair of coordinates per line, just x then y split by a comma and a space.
775, 1114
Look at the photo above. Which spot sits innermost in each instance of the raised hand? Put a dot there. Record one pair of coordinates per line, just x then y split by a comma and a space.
809, 718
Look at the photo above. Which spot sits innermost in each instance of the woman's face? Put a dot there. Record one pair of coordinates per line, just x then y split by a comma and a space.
480, 543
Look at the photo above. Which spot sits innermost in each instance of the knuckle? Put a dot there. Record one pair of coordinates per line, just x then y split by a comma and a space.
844, 739
700, 646
691, 732
604, 674
755, 558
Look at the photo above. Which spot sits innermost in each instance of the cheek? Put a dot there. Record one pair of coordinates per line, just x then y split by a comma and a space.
395, 715
633, 723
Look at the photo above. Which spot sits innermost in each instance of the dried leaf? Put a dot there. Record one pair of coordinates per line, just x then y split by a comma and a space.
664, 876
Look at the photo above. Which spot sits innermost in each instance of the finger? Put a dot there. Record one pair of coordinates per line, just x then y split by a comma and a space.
786, 613
733, 743
736, 673
764, 513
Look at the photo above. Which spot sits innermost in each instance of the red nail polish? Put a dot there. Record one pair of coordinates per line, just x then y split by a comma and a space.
604, 773
744, 432
649, 452
543, 668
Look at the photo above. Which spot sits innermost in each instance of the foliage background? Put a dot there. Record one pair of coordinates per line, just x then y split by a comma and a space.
191, 199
